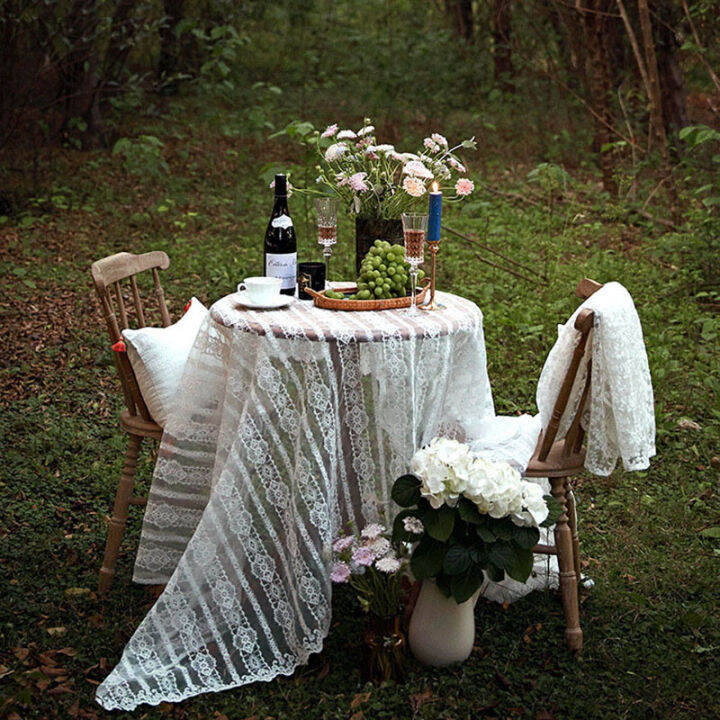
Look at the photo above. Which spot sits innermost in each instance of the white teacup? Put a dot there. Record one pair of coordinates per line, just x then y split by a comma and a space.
261, 290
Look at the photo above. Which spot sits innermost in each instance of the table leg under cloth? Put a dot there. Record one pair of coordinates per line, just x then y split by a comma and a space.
274, 446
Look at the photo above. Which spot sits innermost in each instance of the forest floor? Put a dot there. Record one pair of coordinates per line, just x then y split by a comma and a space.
649, 539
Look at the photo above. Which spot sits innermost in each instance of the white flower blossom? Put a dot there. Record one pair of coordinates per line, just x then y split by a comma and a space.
365, 130
440, 140
388, 564
413, 525
381, 546
448, 469
372, 531
415, 168
335, 152
346, 135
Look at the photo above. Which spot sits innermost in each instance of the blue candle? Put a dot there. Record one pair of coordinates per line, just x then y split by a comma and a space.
434, 215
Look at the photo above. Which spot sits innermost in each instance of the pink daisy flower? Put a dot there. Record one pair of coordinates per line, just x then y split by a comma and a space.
464, 186
340, 572
343, 543
363, 556
330, 130
357, 182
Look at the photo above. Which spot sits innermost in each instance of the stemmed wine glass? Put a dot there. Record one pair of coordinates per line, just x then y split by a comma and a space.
327, 212
414, 229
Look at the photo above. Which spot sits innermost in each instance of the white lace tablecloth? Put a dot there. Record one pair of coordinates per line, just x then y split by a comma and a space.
290, 424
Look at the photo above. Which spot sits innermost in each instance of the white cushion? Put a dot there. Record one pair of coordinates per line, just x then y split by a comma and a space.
158, 357
507, 438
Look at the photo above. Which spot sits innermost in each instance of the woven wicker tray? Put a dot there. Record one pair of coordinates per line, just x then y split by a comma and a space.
391, 304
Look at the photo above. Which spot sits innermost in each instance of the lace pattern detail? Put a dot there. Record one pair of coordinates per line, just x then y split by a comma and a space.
620, 416
288, 426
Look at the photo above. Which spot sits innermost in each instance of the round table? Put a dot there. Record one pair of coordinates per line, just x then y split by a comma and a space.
289, 425
302, 319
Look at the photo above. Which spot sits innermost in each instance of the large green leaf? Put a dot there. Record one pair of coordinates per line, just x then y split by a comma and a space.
495, 573
406, 491
464, 586
439, 523
485, 533
502, 528
427, 558
457, 560
526, 537
444, 584
502, 554
468, 512
522, 566
554, 511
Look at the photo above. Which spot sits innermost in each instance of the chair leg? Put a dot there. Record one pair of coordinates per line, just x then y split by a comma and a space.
572, 522
568, 579
116, 528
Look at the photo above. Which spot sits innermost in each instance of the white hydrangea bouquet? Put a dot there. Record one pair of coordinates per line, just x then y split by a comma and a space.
373, 567
376, 180
469, 517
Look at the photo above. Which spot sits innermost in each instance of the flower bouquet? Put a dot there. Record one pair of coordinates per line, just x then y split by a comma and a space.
375, 569
470, 517
467, 517
378, 183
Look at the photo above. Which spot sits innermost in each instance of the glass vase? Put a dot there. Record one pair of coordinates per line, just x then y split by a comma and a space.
370, 229
384, 650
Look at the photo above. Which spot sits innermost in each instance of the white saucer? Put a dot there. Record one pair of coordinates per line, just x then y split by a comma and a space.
280, 301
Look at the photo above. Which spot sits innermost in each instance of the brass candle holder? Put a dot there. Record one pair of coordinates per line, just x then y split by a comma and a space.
434, 247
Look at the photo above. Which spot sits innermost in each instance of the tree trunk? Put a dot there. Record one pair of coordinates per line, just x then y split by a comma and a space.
169, 45
656, 107
672, 86
462, 16
594, 17
502, 54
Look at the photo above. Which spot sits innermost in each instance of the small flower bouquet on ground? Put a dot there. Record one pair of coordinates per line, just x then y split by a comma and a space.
375, 568
469, 517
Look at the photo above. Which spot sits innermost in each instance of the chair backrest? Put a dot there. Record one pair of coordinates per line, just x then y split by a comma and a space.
575, 434
108, 275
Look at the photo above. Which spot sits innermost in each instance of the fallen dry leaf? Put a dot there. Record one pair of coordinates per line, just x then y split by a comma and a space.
359, 699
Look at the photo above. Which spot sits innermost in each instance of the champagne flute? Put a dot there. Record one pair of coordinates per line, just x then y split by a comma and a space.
414, 229
327, 212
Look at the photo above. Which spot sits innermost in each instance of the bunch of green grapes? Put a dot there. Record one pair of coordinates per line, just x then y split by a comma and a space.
384, 273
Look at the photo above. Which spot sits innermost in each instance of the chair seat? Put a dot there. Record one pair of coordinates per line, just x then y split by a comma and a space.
557, 463
136, 425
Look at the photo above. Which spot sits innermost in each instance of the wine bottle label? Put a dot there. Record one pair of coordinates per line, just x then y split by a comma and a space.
283, 266
283, 222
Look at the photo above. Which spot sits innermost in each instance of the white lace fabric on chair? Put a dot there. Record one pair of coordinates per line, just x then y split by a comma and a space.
289, 425
619, 418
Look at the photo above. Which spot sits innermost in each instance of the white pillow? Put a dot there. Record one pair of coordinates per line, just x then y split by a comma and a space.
158, 357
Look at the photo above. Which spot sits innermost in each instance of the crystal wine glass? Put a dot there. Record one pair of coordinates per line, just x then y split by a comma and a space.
414, 229
327, 212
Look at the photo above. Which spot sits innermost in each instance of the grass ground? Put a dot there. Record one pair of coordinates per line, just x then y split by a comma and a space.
652, 631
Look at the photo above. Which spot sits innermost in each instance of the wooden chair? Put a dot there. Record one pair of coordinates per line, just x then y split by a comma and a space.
108, 275
560, 459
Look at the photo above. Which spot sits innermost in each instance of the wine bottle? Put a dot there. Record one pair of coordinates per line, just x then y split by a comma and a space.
280, 241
